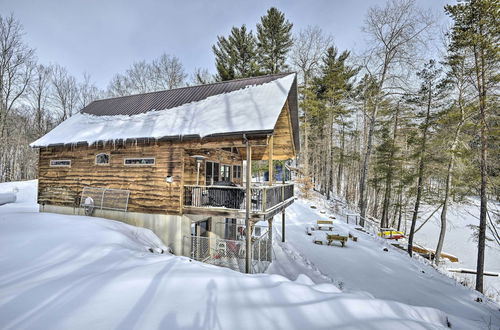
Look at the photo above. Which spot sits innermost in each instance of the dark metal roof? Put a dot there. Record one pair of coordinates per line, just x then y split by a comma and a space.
141, 103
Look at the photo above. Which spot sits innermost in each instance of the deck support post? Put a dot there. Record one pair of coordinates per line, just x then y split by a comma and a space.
248, 197
270, 161
269, 238
283, 225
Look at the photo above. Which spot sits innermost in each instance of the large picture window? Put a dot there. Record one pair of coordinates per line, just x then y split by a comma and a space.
60, 163
139, 161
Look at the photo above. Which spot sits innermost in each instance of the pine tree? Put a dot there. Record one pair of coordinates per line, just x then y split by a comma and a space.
476, 31
428, 99
235, 56
332, 88
274, 41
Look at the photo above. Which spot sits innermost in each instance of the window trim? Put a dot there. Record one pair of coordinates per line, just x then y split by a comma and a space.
234, 172
125, 161
226, 166
102, 164
60, 160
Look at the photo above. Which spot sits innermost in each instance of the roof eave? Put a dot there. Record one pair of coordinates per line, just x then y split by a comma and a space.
240, 134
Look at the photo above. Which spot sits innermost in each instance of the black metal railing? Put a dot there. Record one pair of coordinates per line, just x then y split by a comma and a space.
262, 198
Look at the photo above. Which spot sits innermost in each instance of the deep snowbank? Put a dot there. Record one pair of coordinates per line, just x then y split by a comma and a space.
68, 272
365, 266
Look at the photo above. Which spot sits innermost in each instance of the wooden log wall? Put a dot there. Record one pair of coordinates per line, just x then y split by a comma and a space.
149, 191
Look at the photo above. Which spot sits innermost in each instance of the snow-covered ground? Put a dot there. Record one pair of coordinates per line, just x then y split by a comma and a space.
365, 266
459, 241
69, 272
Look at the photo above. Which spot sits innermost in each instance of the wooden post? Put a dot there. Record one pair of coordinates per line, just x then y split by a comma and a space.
248, 245
283, 225
270, 239
270, 161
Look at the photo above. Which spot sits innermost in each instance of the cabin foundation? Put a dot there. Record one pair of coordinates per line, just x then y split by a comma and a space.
171, 229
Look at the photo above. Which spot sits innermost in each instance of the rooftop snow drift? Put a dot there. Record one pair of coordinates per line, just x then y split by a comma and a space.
247, 105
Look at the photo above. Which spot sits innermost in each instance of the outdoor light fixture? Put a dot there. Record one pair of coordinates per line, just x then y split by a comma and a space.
169, 179
199, 160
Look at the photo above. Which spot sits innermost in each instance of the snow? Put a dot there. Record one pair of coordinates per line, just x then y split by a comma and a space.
459, 241
8, 197
76, 272
254, 108
363, 267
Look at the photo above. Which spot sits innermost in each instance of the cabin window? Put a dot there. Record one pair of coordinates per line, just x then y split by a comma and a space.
236, 171
225, 172
211, 172
60, 163
139, 161
102, 159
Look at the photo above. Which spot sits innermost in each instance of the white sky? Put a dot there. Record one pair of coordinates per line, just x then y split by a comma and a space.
104, 37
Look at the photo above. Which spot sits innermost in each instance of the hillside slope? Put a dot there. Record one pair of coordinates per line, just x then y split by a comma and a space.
365, 266
70, 272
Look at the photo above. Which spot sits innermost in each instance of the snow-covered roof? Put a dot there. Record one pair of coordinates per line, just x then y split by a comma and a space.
251, 108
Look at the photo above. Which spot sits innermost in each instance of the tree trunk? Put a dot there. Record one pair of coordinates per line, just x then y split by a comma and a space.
388, 183
340, 172
421, 169
364, 169
484, 175
449, 175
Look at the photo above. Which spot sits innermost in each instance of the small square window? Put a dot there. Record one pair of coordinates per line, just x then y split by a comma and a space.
102, 159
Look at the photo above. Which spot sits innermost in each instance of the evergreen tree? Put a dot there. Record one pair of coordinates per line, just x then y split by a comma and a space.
333, 87
428, 99
476, 31
235, 56
274, 41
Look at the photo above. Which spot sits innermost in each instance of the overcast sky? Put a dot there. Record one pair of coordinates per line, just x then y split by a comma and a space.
104, 37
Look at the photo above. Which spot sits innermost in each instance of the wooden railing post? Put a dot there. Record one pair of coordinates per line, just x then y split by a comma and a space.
270, 161
264, 199
248, 245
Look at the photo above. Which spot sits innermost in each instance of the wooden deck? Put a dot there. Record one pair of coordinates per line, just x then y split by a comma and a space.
266, 201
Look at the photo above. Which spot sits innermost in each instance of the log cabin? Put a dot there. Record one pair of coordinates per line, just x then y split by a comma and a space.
174, 161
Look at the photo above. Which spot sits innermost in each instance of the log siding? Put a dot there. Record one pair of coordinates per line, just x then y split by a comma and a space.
149, 190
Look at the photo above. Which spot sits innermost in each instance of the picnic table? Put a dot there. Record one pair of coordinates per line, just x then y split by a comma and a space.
328, 237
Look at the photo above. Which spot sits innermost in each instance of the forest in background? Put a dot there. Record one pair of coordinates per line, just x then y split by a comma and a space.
410, 120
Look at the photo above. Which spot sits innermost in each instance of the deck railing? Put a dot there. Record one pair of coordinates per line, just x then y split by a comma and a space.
263, 198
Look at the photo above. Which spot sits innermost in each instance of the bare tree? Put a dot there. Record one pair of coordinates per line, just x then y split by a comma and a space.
168, 72
139, 78
309, 47
16, 66
66, 96
38, 95
117, 86
394, 33
88, 91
